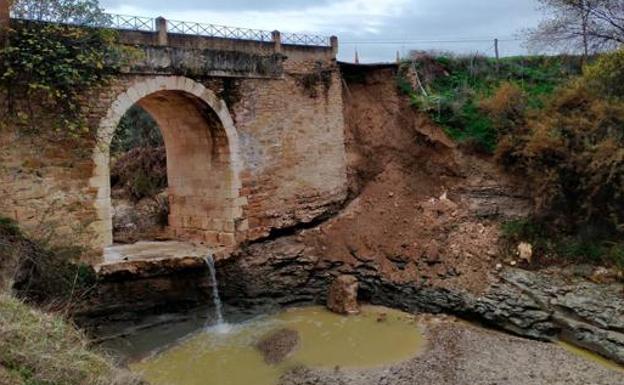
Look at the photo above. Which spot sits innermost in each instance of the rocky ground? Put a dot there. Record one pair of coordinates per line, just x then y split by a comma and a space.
459, 353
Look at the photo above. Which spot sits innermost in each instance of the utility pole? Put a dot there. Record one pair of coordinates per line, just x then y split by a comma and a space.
497, 54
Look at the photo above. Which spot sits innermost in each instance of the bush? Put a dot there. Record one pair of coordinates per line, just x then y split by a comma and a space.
606, 75
573, 154
50, 277
141, 171
476, 99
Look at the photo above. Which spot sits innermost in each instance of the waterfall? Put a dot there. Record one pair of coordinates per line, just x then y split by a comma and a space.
215, 291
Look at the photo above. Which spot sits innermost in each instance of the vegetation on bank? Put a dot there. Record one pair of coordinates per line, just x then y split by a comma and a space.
43, 349
47, 276
471, 97
38, 348
556, 123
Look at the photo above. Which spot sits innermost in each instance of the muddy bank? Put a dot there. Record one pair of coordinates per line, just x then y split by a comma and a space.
535, 305
459, 353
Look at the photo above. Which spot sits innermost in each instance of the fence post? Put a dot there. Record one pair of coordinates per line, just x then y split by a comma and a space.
276, 36
333, 41
497, 54
161, 30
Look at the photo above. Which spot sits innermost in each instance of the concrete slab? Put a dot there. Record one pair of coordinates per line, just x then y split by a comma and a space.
150, 251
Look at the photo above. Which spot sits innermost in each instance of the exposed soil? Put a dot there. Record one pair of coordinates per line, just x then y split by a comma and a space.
420, 210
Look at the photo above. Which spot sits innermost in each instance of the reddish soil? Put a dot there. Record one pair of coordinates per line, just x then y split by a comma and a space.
420, 210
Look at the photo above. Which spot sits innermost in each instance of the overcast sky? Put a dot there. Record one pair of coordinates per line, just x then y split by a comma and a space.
376, 28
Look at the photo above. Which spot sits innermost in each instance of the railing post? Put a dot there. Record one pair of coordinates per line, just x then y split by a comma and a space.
161, 29
276, 36
334, 45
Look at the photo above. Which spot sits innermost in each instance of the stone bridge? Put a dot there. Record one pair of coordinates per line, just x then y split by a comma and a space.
253, 129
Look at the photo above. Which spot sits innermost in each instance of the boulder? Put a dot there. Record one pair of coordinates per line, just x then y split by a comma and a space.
342, 296
278, 345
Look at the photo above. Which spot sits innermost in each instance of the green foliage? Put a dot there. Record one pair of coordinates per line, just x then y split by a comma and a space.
572, 154
457, 87
46, 66
43, 274
552, 246
142, 172
81, 12
136, 129
606, 75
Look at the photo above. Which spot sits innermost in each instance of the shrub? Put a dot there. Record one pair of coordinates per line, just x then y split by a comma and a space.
606, 75
476, 99
573, 154
50, 277
142, 171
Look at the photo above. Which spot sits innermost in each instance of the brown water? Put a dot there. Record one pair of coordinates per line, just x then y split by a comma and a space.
327, 340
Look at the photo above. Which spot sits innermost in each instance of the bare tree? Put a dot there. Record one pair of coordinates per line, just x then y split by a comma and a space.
587, 26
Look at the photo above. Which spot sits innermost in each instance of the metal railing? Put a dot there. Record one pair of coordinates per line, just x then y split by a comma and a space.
133, 23
214, 30
148, 24
303, 39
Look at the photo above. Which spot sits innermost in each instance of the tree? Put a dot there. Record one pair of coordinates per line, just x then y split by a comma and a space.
80, 12
52, 63
588, 26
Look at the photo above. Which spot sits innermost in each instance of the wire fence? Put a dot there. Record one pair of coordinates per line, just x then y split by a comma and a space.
148, 24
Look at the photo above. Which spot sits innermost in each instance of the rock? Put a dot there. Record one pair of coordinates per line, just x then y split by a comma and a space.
525, 252
604, 275
278, 345
342, 297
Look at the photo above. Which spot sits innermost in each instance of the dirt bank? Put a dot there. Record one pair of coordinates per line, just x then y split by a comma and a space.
421, 210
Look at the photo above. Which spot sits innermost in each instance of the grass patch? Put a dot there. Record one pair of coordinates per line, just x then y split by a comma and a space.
456, 87
43, 349
552, 247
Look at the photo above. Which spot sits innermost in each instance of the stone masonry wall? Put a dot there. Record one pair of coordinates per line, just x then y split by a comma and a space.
287, 134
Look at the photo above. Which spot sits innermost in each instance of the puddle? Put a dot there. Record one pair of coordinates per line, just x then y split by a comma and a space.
591, 357
327, 340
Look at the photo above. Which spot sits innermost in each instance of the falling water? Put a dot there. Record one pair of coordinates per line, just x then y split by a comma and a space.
215, 292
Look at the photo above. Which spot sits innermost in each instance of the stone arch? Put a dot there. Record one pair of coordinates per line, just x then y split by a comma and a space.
203, 160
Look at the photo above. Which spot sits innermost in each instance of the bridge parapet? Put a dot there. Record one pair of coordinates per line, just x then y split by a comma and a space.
162, 28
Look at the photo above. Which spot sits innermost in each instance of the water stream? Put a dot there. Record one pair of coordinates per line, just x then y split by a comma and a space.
220, 324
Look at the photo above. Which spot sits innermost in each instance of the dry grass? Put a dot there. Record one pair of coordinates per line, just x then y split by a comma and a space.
43, 349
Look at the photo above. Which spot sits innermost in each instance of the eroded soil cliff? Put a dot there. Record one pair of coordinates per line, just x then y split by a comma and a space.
421, 210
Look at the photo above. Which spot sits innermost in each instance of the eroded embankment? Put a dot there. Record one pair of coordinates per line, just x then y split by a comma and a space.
420, 232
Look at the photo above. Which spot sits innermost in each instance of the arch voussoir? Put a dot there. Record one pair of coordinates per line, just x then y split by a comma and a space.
185, 220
